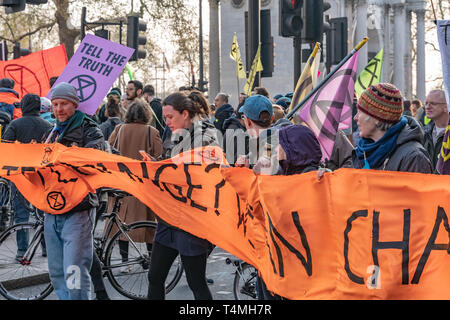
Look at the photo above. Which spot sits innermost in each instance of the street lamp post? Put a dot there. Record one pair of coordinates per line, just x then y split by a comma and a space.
201, 82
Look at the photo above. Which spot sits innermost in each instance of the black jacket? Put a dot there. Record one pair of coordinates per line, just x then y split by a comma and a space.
166, 234
156, 106
29, 127
108, 126
235, 140
88, 135
434, 150
223, 113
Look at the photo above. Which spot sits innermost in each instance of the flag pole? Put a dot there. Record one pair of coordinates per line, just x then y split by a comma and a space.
313, 54
316, 88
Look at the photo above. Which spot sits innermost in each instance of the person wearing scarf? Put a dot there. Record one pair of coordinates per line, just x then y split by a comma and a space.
69, 236
389, 141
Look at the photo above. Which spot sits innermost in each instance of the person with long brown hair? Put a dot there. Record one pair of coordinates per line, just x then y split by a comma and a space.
130, 138
185, 115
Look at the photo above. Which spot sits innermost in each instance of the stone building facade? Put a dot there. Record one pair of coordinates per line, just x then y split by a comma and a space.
387, 23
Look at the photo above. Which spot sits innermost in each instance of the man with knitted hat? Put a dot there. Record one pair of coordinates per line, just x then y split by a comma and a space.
389, 141
69, 236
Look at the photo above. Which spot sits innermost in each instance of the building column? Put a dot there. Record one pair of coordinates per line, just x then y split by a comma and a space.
407, 94
399, 45
420, 84
214, 49
386, 69
361, 33
348, 12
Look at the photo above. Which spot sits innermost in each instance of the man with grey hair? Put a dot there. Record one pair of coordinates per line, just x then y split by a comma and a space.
223, 110
436, 110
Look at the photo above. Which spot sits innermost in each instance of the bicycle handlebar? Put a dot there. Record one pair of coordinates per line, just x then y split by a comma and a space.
114, 192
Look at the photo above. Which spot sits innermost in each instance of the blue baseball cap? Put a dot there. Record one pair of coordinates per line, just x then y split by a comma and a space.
254, 105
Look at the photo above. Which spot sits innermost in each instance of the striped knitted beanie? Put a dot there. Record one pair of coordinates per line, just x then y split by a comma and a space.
382, 101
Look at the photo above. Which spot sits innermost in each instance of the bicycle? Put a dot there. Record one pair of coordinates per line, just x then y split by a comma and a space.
245, 277
7, 196
32, 270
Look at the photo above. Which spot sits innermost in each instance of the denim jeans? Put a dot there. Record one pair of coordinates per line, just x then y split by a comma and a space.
21, 214
69, 240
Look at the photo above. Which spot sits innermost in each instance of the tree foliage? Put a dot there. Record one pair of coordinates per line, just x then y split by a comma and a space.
171, 24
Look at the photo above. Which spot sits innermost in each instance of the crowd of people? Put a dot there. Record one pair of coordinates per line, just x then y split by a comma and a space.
388, 133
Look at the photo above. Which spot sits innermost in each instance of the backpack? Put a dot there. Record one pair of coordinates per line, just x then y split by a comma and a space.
9, 108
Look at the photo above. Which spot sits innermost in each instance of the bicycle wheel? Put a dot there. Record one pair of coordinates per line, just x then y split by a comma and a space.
130, 277
6, 209
26, 278
244, 286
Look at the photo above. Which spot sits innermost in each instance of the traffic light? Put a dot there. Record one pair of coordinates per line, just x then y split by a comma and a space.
19, 52
267, 44
13, 5
290, 18
18, 5
135, 24
102, 33
313, 24
337, 38
3, 51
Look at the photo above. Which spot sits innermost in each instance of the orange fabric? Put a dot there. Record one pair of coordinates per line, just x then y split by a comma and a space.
8, 97
32, 72
355, 234
17, 113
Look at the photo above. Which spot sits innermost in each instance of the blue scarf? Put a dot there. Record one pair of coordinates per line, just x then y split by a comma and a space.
376, 152
60, 126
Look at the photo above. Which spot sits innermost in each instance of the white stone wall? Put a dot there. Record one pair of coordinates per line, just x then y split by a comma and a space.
233, 20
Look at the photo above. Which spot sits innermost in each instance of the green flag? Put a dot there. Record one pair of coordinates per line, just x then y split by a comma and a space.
370, 75
130, 71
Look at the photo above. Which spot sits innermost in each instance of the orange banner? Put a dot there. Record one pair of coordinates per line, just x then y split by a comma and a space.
355, 234
32, 72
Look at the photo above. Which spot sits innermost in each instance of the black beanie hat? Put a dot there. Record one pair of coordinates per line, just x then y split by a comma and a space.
7, 83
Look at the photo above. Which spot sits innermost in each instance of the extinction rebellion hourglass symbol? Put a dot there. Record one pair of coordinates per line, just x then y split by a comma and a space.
56, 200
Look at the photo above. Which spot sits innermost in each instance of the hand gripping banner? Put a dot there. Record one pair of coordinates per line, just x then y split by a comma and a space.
354, 234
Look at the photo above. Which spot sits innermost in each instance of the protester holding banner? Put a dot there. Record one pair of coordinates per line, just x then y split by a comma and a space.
258, 117
30, 127
389, 141
69, 236
130, 138
184, 118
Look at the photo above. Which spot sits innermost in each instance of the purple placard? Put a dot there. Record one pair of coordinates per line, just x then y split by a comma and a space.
93, 68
